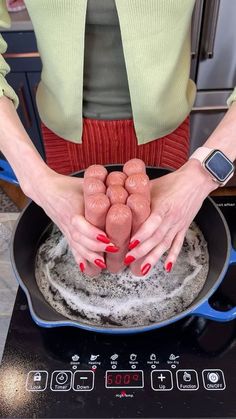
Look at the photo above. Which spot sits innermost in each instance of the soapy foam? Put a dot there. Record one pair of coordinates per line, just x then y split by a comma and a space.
121, 299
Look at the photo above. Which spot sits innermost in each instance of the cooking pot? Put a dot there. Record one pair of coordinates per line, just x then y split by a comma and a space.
31, 229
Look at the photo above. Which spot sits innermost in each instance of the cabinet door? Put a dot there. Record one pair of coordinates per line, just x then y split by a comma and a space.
26, 110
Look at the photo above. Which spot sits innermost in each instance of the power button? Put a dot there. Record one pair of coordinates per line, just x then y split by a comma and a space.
213, 379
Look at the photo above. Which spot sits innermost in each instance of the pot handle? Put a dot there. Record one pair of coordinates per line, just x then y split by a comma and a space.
206, 311
6, 172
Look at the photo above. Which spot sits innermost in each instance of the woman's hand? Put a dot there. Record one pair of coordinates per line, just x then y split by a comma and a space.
175, 200
62, 199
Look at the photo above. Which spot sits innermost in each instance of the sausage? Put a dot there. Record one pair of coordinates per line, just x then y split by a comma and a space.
96, 170
140, 208
96, 207
118, 229
116, 178
138, 183
117, 194
92, 186
134, 166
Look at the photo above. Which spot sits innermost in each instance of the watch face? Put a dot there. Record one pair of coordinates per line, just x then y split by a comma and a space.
219, 165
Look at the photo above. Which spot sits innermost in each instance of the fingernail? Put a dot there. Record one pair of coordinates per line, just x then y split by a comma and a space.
129, 259
112, 249
100, 263
146, 268
169, 267
82, 267
133, 244
104, 239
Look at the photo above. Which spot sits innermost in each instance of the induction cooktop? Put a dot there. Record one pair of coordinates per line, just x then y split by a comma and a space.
185, 370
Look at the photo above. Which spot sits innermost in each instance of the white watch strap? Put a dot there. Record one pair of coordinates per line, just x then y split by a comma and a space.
201, 153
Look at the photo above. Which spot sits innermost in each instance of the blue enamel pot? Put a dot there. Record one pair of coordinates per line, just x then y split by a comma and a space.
33, 223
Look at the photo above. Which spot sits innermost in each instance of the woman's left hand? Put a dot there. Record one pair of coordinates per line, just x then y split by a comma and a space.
175, 200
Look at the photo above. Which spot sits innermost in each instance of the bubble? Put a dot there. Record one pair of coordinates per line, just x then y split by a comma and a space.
121, 299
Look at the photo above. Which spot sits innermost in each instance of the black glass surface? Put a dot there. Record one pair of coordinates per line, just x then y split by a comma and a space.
219, 166
185, 370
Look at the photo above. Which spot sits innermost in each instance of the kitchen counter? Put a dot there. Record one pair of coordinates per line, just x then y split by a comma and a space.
20, 21
8, 284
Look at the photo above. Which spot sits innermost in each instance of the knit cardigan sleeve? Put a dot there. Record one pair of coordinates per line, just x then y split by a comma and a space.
5, 88
232, 97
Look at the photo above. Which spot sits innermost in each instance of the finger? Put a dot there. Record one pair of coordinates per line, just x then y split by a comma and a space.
148, 228
94, 258
163, 235
80, 225
156, 253
86, 267
95, 246
175, 250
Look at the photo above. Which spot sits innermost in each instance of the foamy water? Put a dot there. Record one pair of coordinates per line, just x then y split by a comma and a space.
121, 299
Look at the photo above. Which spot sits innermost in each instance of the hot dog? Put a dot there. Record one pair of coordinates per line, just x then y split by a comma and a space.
116, 178
118, 228
96, 170
140, 208
138, 183
117, 194
134, 166
93, 185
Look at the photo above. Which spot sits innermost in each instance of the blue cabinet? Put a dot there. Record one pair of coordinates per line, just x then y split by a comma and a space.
24, 61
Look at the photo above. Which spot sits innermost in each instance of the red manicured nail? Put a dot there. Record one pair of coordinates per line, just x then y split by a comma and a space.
82, 267
169, 267
128, 260
104, 239
133, 244
100, 263
112, 249
146, 268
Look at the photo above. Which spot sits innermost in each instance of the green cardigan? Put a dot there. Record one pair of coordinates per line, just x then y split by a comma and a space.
156, 42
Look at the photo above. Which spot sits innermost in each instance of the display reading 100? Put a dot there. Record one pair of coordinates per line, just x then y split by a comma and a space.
124, 379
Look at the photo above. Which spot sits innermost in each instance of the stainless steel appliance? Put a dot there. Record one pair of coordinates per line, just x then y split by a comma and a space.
214, 65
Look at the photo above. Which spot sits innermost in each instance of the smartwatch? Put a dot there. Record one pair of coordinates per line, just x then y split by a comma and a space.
216, 163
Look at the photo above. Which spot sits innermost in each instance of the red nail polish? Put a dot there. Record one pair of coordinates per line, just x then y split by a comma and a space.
112, 249
146, 268
169, 267
129, 259
133, 244
104, 239
100, 263
82, 267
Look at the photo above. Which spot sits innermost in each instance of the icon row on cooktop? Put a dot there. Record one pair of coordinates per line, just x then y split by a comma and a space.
161, 380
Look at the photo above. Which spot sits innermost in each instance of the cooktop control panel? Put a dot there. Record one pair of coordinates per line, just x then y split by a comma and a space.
156, 380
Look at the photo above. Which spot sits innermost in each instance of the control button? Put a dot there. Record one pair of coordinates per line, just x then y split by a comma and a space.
213, 379
133, 357
83, 380
37, 380
187, 380
61, 381
161, 380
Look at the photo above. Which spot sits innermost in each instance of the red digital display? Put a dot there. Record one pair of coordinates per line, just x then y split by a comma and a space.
124, 379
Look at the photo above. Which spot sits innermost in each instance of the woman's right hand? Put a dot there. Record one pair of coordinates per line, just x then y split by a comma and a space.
62, 199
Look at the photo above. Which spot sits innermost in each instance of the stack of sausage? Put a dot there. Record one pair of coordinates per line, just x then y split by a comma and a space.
117, 203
